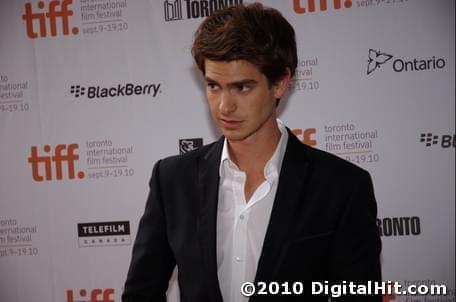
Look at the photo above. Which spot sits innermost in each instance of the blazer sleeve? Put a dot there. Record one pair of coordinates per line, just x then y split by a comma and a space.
357, 241
152, 260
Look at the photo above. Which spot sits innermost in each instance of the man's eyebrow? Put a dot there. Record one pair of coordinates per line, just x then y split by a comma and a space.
243, 82
209, 80
236, 83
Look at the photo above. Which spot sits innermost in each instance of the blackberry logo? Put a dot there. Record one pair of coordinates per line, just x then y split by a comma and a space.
446, 141
104, 233
129, 89
77, 90
189, 144
429, 139
195, 8
376, 59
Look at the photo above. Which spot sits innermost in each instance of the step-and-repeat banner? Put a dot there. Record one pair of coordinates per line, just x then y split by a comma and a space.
94, 92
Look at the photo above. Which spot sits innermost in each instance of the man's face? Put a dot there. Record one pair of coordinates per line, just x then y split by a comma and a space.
241, 101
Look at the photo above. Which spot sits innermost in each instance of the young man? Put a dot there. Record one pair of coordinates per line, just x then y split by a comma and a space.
257, 205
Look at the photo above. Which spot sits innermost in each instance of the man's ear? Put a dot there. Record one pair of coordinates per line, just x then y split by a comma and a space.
282, 84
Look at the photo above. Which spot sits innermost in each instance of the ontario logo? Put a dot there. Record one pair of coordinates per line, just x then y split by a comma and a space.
50, 165
43, 19
129, 89
194, 9
300, 7
377, 58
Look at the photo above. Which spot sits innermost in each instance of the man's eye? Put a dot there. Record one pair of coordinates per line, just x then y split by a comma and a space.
244, 88
212, 86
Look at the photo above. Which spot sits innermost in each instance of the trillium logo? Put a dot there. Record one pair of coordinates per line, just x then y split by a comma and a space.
376, 59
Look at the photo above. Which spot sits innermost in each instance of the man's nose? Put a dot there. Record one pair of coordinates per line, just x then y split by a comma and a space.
227, 103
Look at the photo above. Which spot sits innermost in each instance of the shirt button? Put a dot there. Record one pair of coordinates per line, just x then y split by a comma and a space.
241, 217
238, 259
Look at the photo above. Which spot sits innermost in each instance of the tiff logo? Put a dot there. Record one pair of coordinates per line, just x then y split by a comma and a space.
96, 295
173, 10
77, 90
70, 157
306, 136
323, 5
56, 10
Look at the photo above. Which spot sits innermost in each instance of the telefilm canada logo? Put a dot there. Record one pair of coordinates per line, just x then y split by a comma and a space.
111, 233
194, 9
444, 141
377, 59
189, 144
52, 18
119, 90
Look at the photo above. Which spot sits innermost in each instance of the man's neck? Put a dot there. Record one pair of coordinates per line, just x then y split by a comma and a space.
252, 154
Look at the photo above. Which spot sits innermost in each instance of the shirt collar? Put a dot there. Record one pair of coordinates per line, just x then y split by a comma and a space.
272, 167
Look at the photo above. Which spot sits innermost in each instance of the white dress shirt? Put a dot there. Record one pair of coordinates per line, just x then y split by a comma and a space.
241, 225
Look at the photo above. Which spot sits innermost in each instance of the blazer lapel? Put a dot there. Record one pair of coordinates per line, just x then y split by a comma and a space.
291, 180
208, 182
287, 199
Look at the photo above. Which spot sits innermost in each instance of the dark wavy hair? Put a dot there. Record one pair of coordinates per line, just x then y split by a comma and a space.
255, 33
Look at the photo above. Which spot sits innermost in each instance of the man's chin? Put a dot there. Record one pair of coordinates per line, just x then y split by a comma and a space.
233, 135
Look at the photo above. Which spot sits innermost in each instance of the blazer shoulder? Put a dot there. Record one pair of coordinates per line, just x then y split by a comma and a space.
331, 164
178, 162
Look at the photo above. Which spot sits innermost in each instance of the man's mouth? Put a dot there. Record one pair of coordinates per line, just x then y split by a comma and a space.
230, 123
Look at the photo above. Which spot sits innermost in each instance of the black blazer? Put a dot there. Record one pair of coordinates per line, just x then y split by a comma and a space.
322, 227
